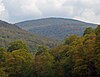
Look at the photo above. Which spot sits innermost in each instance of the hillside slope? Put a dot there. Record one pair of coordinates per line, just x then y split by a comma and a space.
57, 28
9, 33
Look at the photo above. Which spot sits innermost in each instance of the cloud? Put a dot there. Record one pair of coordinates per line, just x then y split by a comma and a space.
1, 8
19, 10
53, 8
3, 14
90, 11
88, 15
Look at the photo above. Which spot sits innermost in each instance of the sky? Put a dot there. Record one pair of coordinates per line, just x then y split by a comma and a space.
21, 10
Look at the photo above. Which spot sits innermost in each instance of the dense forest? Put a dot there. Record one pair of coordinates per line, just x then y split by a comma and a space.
10, 33
57, 28
78, 56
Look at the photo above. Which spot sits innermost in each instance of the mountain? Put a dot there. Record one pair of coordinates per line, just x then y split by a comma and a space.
57, 28
10, 32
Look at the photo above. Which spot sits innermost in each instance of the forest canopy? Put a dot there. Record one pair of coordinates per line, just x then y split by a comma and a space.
78, 56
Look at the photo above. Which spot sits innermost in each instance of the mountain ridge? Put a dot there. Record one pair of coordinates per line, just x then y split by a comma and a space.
10, 33
54, 18
57, 28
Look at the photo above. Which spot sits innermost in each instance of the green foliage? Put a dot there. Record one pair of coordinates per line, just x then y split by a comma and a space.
41, 49
88, 30
97, 31
2, 50
97, 49
71, 39
77, 57
2, 73
18, 63
44, 64
16, 46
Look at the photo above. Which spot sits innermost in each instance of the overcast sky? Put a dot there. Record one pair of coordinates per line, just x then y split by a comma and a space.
20, 10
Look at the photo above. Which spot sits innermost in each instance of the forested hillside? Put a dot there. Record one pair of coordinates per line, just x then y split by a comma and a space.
9, 33
57, 28
78, 56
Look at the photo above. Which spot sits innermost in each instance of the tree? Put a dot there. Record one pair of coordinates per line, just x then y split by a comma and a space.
2, 50
43, 63
16, 45
61, 61
19, 63
2, 59
70, 39
40, 49
2, 73
97, 49
88, 30
97, 31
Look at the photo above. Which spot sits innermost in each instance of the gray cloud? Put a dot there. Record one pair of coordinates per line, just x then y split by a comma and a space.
3, 14
19, 10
